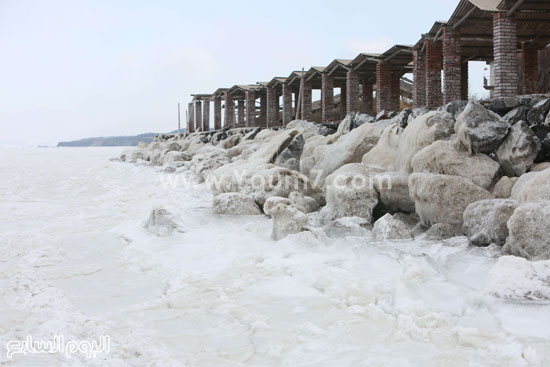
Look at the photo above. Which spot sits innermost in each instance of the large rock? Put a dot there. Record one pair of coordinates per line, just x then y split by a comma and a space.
450, 158
455, 108
485, 221
529, 231
503, 188
162, 223
349, 148
347, 226
504, 105
393, 191
206, 160
290, 156
537, 114
480, 130
235, 203
389, 228
287, 219
442, 198
349, 192
539, 167
518, 151
516, 115
272, 148
384, 154
307, 128
305, 203
534, 189
420, 133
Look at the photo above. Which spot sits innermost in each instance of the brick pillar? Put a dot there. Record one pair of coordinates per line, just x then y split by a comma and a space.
434, 96
395, 92
366, 89
287, 104
263, 108
327, 98
206, 116
383, 85
452, 65
198, 115
352, 89
305, 100
343, 102
464, 84
240, 113
530, 65
271, 106
229, 112
277, 108
505, 53
191, 118
217, 113
250, 97
419, 73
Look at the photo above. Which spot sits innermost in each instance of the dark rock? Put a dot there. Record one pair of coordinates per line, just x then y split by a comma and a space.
455, 108
480, 130
253, 134
290, 156
403, 118
416, 112
518, 151
504, 105
538, 112
204, 139
517, 114
382, 115
221, 136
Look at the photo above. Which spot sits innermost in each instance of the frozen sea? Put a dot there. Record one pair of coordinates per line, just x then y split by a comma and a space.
75, 261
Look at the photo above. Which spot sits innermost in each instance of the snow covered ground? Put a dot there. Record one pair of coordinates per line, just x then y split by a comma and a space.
75, 261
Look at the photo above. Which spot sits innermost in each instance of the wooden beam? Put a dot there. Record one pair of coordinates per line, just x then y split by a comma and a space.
515, 7
464, 17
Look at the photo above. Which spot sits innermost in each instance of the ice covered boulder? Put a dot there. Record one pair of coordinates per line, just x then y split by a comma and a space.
306, 203
162, 223
537, 114
347, 226
290, 156
480, 130
349, 148
517, 114
442, 198
504, 105
140, 154
518, 151
235, 203
384, 154
442, 231
287, 219
389, 228
349, 192
393, 191
449, 158
516, 278
537, 167
230, 141
206, 160
529, 231
176, 158
485, 221
420, 133
308, 129
535, 189
503, 188
270, 149
520, 182
455, 108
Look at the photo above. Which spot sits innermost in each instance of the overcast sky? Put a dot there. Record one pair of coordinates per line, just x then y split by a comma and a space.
76, 69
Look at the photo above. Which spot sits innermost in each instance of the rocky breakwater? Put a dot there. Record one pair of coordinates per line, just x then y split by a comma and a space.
476, 169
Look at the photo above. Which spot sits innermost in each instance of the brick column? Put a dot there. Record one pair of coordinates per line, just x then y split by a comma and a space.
277, 108
305, 100
240, 113
250, 97
366, 89
383, 85
191, 118
206, 116
263, 109
505, 52
229, 112
464, 84
327, 98
530, 65
217, 113
271, 105
395, 92
419, 74
343, 102
352, 89
198, 115
451, 65
287, 105
434, 96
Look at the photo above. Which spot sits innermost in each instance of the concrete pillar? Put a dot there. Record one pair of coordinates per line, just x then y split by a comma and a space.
327, 98
505, 52
191, 118
530, 65
383, 84
464, 84
198, 115
419, 74
434, 59
287, 105
452, 65
271, 107
352, 89
250, 97
366, 89
217, 113
395, 92
206, 116
229, 112
240, 113
305, 100
343, 102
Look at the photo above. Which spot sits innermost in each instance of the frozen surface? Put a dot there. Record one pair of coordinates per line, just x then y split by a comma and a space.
76, 261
